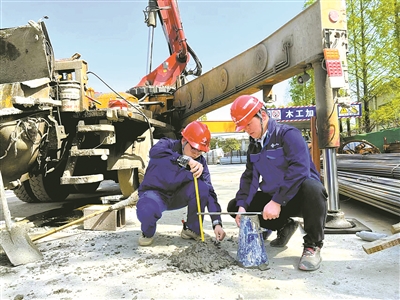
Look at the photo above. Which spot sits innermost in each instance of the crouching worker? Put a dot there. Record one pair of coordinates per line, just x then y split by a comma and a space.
280, 180
168, 184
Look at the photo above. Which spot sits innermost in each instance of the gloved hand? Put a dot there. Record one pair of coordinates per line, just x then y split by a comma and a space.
237, 219
219, 233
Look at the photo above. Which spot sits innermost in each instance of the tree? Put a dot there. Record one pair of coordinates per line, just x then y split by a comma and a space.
227, 145
214, 142
373, 59
374, 55
230, 144
302, 94
388, 115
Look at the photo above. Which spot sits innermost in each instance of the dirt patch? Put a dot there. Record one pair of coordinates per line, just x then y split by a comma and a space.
203, 257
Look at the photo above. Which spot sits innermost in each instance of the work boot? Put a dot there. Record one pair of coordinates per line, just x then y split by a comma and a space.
145, 241
310, 259
284, 234
188, 234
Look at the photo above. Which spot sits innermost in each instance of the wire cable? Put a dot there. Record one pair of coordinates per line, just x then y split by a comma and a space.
137, 107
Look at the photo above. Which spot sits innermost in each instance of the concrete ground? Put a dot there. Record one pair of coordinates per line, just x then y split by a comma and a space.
85, 264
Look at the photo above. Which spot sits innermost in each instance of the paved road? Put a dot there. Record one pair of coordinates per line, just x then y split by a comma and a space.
84, 264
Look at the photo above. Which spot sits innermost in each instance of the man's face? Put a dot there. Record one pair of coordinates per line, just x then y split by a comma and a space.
254, 128
189, 150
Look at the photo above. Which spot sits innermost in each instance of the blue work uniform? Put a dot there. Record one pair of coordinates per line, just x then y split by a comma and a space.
288, 177
169, 186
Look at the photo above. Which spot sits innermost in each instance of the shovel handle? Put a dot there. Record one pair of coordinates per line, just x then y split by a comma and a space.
6, 210
77, 221
130, 201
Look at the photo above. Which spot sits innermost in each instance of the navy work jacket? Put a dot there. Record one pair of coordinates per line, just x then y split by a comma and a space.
283, 164
165, 175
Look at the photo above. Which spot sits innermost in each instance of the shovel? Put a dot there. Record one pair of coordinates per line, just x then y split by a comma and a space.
15, 240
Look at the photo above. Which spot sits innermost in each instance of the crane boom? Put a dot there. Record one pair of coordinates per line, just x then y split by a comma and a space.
167, 73
173, 29
289, 51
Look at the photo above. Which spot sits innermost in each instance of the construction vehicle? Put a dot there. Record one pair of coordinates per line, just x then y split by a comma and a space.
56, 134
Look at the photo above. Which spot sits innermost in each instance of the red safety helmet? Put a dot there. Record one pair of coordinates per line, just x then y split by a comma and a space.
243, 109
198, 135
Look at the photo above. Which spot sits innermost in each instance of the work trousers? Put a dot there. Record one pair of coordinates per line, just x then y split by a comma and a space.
153, 203
309, 203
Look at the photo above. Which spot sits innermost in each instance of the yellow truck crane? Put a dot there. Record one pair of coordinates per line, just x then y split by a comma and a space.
57, 136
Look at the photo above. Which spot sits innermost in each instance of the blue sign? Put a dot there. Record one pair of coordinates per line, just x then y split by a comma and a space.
304, 113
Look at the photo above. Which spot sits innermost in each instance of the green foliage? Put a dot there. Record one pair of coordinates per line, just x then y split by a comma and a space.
388, 115
230, 145
214, 142
374, 56
307, 3
373, 61
302, 94
227, 145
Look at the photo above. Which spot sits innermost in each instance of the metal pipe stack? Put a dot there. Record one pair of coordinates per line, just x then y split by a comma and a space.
373, 179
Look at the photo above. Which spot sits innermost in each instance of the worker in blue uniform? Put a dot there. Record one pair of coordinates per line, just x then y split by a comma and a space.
168, 184
280, 180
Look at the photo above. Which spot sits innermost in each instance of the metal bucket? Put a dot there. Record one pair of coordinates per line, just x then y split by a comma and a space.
70, 93
251, 249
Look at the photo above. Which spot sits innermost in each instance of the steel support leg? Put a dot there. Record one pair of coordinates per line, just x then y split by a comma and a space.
329, 141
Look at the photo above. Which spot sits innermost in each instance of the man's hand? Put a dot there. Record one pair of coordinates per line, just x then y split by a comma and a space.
219, 233
196, 168
237, 218
271, 210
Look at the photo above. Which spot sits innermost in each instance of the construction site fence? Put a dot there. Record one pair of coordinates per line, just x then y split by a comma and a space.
212, 158
378, 138
234, 157
231, 157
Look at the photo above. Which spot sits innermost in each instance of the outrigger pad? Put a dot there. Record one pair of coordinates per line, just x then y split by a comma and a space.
356, 226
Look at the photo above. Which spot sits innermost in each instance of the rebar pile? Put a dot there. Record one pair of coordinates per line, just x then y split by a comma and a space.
384, 165
373, 179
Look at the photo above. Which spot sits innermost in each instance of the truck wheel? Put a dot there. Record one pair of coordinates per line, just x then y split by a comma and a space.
25, 194
128, 180
48, 188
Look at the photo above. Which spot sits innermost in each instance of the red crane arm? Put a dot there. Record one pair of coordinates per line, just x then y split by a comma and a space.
172, 26
167, 73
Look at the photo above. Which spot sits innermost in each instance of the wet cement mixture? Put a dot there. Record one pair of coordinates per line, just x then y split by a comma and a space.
203, 257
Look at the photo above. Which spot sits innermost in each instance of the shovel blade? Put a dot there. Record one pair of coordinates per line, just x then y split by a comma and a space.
18, 246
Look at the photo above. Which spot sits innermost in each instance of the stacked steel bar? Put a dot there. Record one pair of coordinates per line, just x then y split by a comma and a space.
384, 165
372, 178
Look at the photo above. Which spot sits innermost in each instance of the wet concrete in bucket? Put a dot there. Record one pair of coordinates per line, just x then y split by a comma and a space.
203, 257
